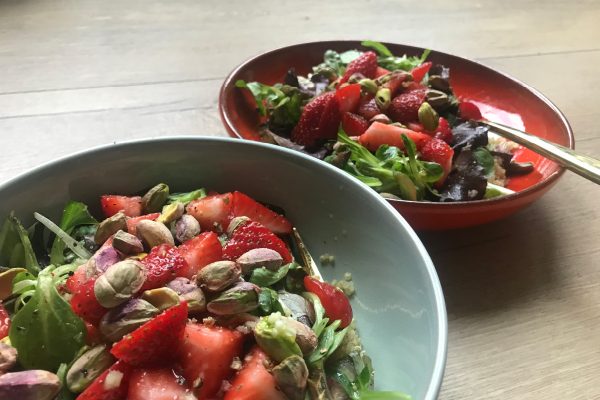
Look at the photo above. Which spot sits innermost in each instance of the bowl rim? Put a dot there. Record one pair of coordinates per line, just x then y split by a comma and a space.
437, 374
547, 182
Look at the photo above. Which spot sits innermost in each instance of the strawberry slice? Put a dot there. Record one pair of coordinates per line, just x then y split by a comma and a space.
111, 385
85, 304
368, 107
438, 151
211, 211
254, 381
198, 252
419, 72
244, 205
112, 204
78, 278
206, 356
158, 384
365, 64
163, 264
405, 107
468, 110
334, 301
253, 235
156, 341
379, 134
319, 121
348, 97
443, 131
4, 322
132, 222
354, 124
380, 71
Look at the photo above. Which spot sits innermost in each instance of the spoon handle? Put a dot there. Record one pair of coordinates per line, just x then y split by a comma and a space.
588, 167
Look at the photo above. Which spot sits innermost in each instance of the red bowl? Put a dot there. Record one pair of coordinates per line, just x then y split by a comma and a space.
500, 97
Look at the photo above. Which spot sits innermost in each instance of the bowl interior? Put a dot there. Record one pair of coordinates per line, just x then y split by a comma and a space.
399, 305
501, 98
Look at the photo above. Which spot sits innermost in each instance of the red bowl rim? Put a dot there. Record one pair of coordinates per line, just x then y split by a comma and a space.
548, 181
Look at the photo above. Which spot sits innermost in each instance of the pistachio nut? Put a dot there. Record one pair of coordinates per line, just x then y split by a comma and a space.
219, 275
317, 385
109, 227
261, 257
154, 233
127, 243
382, 118
356, 77
8, 357
439, 82
242, 297
155, 198
171, 212
29, 385
437, 99
306, 338
428, 117
299, 308
276, 335
161, 298
88, 367
126, 318
235, 223
185, 228
383, 98
119, 283
6, 281
368, 86
190, 293
291, 376
101, 260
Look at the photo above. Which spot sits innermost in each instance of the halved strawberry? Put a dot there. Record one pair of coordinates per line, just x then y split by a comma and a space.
244, 205
111, 385
419, 72
438, 151
112, 204
253, 235
348, 97
254, 381
206, 356
85, 304
163, 264
365, 64
380, 71
78, 278
4, 322
368, 107
132, 222
198, 252
405, 107
158, 384
468, 110
319, 121
334, 301
379, 134
354, 124
212, 211
443, 131
156, 341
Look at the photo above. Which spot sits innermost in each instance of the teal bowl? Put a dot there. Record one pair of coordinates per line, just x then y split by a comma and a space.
399, 306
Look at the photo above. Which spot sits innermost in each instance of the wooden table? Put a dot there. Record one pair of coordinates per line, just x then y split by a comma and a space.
523, 294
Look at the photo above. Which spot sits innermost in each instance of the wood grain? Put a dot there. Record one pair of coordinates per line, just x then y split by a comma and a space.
523, 294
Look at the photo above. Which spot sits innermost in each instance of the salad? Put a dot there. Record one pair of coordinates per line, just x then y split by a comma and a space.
393, 122
172, 296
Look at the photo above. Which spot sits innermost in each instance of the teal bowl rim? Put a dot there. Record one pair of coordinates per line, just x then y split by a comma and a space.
442, 345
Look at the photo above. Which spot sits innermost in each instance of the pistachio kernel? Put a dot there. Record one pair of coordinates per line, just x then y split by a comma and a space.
368, 86
155, 198
219, 275
154, 233
119, 283
383, 98
29, 385
126, 243
241, 298
109, 227
88, 367
161, 298
261, 257
185, 228
428, 117
171, 212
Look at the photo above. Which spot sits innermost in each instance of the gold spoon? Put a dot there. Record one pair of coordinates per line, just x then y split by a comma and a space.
585, 166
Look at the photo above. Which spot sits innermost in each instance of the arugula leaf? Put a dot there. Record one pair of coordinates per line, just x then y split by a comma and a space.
46, 332
74, 215
388, 61
15, 246
264, 277
485, 159
186, 198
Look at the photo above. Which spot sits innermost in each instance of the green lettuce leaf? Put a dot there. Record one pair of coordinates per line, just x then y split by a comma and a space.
390, 62
15, 246
74, 215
